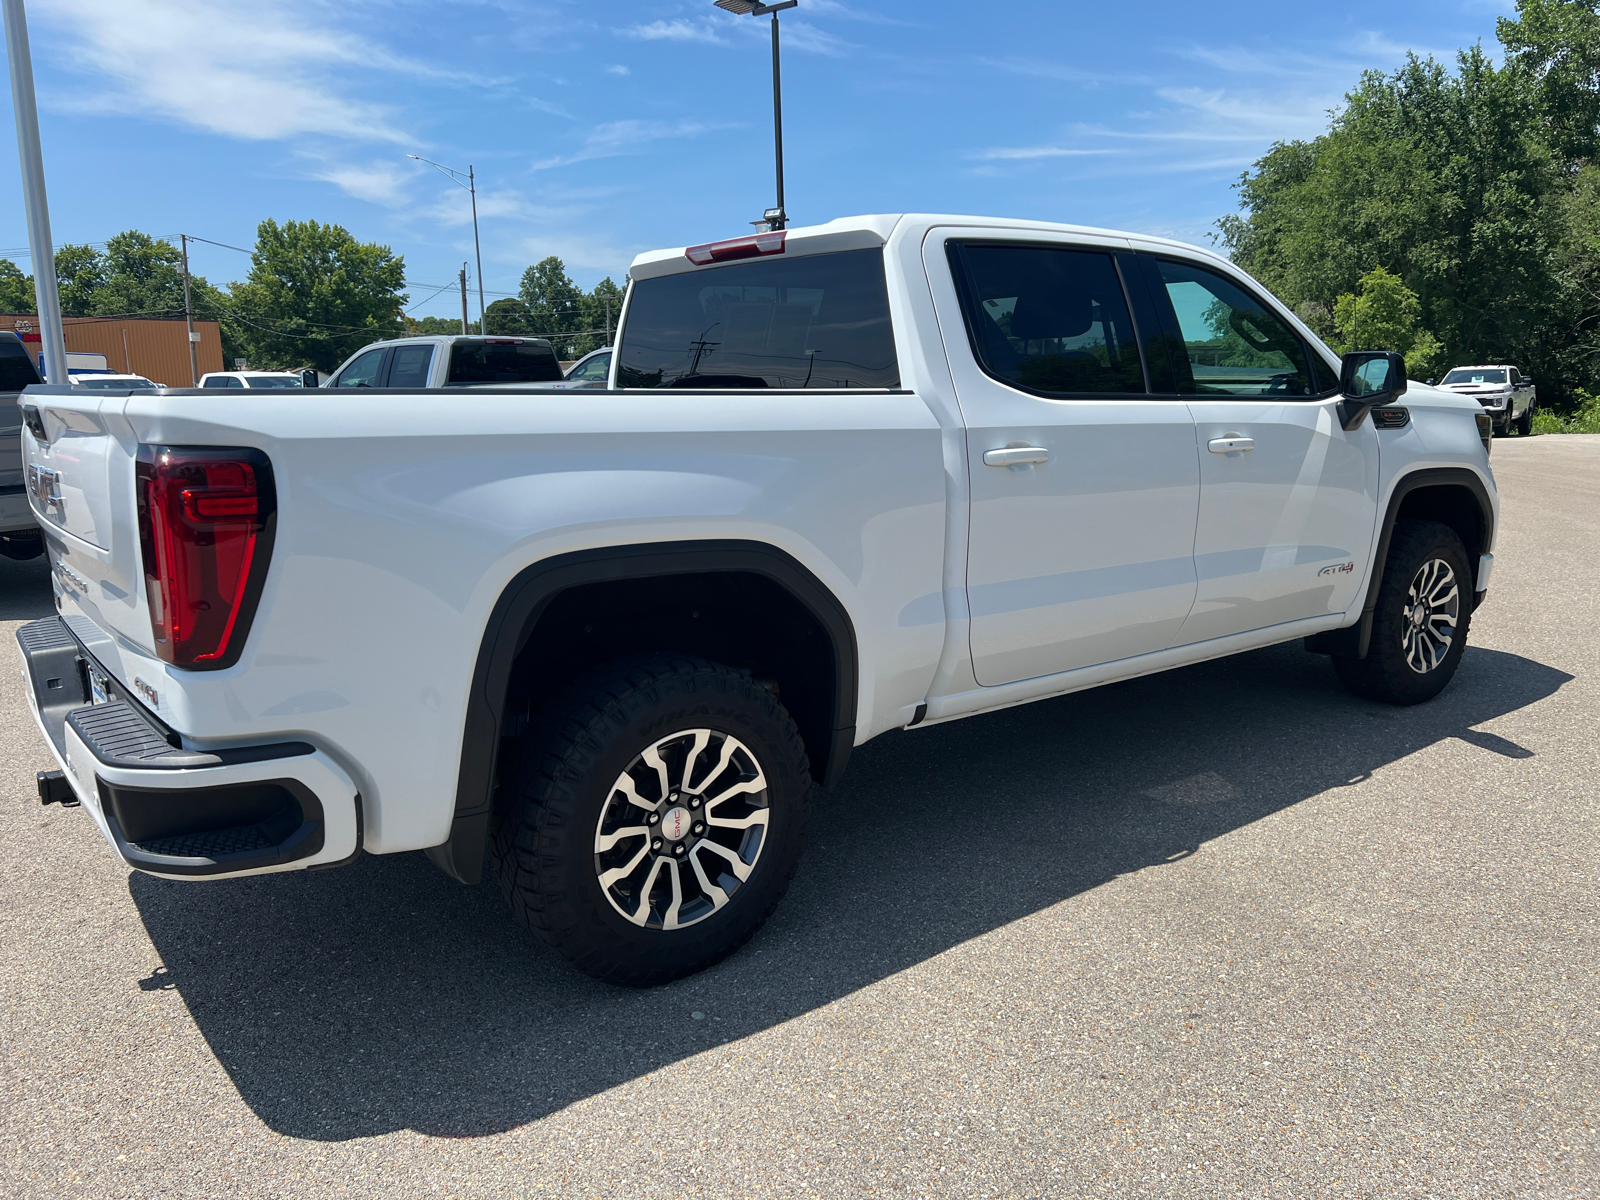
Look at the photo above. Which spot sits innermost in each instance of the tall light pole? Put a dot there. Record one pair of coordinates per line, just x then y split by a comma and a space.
773, 218
33, 197
471, 184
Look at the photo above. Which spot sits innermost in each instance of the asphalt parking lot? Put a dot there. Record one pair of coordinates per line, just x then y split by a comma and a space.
1226, 931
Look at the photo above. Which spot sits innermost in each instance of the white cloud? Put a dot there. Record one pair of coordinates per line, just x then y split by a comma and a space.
584, 252
618, 69
1008, 153
676, 31
616, 137
171, 58
377, 182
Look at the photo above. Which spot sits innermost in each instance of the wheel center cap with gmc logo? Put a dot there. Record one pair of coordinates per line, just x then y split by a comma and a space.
675, 824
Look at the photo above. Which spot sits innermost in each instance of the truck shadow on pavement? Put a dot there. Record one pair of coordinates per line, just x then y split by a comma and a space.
385, 996
25, 593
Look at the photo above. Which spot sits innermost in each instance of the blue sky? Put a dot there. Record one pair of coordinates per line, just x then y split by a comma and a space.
599, 130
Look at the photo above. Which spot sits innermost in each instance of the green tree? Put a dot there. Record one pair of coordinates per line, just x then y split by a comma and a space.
1553, 46
509, 317
80, 273
599, 311
16, 289
434, 326
315, 294
552, 299
1384, 314
1445, 178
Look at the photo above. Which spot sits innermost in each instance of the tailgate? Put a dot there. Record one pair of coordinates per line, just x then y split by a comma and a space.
80, 481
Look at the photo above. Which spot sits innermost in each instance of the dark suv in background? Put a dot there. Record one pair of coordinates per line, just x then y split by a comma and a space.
19, 532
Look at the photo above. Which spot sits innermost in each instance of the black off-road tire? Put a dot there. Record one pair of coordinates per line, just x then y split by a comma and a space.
1525, 422
560, 778
22, 544
1385, 674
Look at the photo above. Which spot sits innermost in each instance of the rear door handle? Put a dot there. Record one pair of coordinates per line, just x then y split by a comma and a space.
1016, 456
1229, 444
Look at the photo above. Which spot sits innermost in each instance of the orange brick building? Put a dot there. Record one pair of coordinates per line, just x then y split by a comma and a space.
158, 350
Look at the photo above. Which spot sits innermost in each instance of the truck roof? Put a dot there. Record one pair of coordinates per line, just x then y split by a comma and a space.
850, 233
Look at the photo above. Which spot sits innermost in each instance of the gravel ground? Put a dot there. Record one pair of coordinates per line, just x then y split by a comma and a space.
1225, 931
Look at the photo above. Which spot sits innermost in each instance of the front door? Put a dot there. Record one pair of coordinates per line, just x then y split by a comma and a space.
1084, 487
1288, 499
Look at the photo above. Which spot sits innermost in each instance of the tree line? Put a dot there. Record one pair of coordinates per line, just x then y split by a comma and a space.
313, 296
1450, 214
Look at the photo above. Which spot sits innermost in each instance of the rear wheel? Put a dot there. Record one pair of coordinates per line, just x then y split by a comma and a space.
1525, 422
652, 827
21, 544
1419, 628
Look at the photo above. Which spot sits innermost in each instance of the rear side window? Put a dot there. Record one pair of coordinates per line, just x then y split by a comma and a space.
1048, 319
410, 366
817, 321
16, 366
595, 369
501, 362
216, 381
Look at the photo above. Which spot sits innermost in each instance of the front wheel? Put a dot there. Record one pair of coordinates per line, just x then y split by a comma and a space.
651, 828
1419, 628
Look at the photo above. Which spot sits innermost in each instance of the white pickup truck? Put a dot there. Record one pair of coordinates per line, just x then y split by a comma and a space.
874, 474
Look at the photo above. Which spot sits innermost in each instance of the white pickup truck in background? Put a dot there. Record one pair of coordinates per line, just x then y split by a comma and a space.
454, 360
868, 475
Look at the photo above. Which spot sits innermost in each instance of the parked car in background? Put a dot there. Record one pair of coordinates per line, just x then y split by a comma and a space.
252, 379
1507, 395
450, 361
19, 532
112, 383
592, 370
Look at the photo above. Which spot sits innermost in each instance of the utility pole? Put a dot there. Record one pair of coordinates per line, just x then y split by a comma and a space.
608, 320
464, 300
472, 190
33, 195
188, 317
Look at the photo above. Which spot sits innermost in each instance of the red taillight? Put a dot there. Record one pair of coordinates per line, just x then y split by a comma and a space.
746, 247
205, 529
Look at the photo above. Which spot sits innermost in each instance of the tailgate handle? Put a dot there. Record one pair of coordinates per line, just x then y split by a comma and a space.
34, 422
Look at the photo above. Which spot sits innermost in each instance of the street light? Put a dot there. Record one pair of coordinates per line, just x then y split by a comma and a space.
471, 184
773, 218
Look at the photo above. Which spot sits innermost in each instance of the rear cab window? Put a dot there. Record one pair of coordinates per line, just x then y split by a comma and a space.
501, 361
811, 321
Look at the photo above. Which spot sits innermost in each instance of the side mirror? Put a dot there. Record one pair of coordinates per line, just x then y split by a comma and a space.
1429, 382
308, 378
1368, 378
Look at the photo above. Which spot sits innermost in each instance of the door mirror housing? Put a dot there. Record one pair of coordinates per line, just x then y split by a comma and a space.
1368, 378
308, 378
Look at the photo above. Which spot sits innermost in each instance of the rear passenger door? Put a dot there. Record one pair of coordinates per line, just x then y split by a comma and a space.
1084, 486
1288, 499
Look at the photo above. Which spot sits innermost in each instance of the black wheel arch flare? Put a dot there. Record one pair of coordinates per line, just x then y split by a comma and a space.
524, 600
1353, 640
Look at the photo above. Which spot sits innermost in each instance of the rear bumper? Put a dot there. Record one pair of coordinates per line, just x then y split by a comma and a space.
175, 811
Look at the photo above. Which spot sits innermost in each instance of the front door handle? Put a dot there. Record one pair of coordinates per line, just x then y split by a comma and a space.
1016, 456
1230, 444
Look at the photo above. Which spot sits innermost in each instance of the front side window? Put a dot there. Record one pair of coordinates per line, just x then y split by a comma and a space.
508, 361
817, 321
361, 373
1048, 319
410, 366
590, 370
1233, 345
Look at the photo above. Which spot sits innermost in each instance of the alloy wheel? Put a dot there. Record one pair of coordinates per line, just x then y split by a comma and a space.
682, 829
1430, 615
